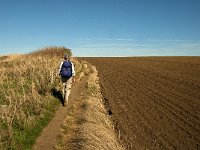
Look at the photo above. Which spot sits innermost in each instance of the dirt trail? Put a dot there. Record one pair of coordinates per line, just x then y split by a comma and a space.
84, 123
47, 140
88, 126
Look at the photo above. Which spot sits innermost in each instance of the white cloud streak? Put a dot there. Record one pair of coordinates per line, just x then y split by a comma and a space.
132, 47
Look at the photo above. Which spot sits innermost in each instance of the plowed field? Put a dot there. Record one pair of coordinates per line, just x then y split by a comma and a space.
153, 101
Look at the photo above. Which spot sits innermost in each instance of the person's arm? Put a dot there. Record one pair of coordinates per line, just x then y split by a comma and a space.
73, 70
60, 67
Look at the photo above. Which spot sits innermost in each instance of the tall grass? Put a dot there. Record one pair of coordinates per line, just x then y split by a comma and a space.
26, 103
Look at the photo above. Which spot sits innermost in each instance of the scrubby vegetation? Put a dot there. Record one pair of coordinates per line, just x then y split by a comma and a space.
26, 102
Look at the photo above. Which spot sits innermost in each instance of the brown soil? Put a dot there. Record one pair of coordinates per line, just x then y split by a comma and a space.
153, 101
47, 140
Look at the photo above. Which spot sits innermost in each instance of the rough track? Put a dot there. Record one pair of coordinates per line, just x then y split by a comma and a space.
84, 123
154, 101
47, 140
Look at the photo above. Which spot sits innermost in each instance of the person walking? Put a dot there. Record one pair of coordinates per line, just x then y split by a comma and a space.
67, 74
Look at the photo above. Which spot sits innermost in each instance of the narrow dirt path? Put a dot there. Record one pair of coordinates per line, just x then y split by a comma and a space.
88, 126
47, 140
84, 123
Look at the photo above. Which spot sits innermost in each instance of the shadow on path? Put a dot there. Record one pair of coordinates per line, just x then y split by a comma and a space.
57, 94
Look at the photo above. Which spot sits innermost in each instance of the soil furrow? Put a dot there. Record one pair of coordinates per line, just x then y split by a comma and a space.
153, 98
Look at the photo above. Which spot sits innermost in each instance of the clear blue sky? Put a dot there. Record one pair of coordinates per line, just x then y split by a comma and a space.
101, 27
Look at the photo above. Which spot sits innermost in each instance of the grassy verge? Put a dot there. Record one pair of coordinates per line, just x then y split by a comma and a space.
26, 101
28, 136
67, 128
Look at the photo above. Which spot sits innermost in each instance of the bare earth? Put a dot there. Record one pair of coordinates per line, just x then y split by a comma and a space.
47, 140
154, 101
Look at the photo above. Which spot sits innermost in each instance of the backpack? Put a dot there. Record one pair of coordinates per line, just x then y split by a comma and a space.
66, 69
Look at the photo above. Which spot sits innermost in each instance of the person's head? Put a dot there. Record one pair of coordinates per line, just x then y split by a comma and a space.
66, 57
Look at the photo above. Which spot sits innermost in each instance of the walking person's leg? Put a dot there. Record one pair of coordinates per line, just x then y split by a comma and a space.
64, 89
69, 85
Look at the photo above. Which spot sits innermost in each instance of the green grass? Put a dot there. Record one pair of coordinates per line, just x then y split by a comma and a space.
26, 138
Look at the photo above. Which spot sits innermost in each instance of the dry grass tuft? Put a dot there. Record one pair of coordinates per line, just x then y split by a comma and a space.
5, 58
98, 129
25, 95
